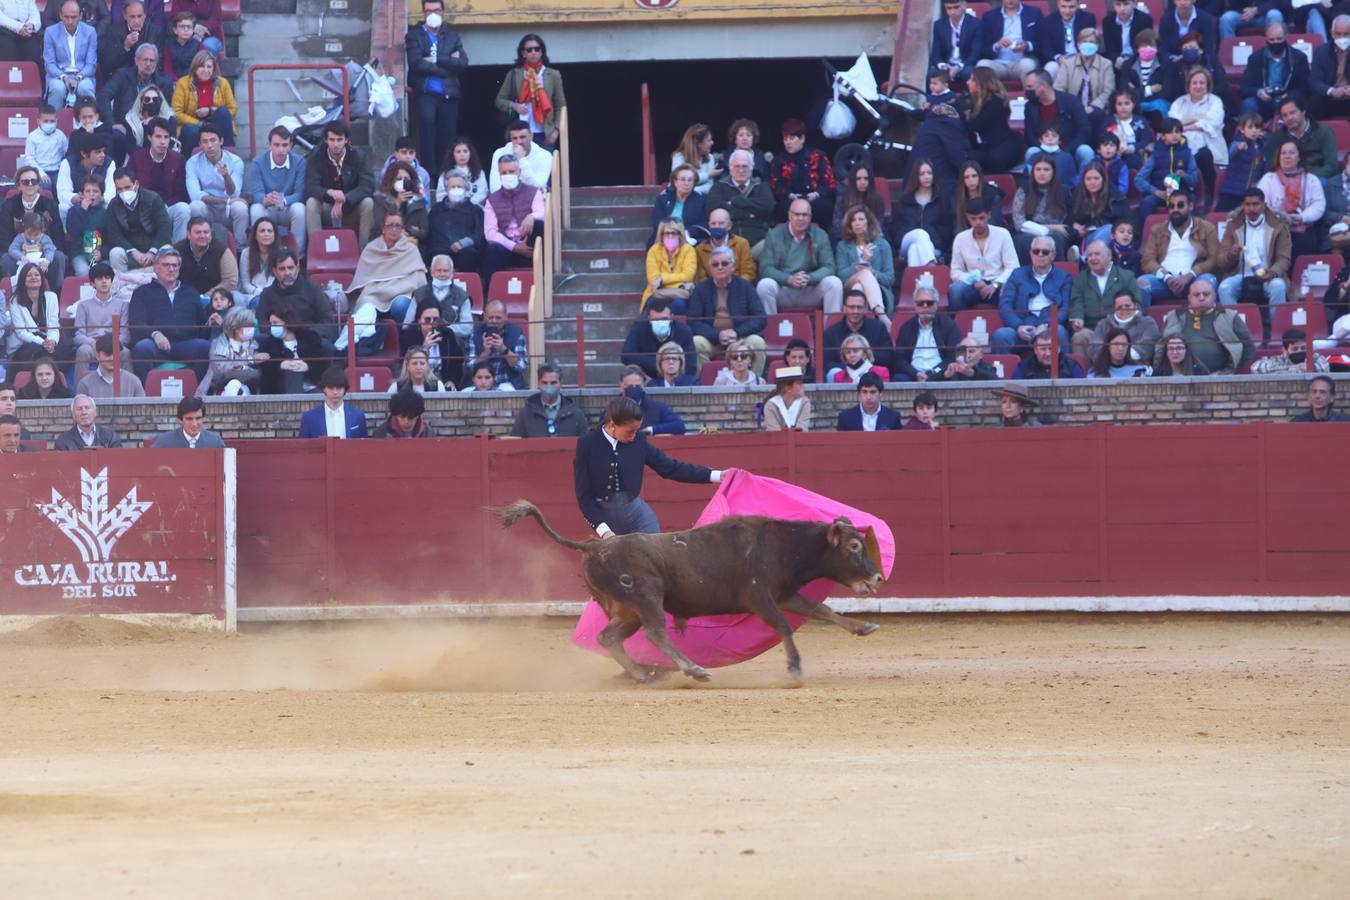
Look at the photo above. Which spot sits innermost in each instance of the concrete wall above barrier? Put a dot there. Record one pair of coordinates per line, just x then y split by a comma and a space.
118, 531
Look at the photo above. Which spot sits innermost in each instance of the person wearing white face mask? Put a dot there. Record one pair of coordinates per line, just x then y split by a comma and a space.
1329, 76
436, 59
454, 302
648, 335
1089, 76
234, 357
1256, 252
138, 224
513, 221
1126, 316
456, 227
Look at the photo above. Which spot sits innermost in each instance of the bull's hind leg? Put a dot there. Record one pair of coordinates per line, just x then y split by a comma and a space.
654, 624
623, 624
804, 606
762, 605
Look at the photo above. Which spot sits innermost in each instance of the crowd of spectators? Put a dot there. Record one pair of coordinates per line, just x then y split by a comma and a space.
1096, 194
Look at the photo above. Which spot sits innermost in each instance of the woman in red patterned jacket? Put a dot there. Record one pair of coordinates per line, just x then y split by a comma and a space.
802, 171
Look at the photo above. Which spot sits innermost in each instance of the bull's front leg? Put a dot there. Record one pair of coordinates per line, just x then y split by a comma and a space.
804, 606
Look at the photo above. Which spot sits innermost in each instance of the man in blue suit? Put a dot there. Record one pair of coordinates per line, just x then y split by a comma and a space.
956, 42
1058, 33
333, 418
607, 472
70, 56
1008, 37
870, 414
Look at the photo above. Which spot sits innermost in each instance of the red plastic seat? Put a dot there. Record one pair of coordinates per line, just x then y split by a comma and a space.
371, 379
1341, 129
512, 287
942, 282
1070, 268
70, 291
20, 82
155, 382
473, 286
1159, 311
783, 327
1251, 314
1005, 183
1320, 268
22, 378
333, 249
1253, 42
984, 321
1157, 220
229, 9
1310, 317
388, 355
708, 374
18, 123
9, 160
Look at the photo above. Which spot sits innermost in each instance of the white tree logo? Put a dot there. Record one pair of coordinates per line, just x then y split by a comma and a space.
94, 529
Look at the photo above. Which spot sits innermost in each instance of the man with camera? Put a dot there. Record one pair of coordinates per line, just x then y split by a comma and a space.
1256, 251
501, 345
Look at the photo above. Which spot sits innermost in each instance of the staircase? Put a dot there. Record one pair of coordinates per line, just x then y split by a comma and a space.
602, 277
296, 31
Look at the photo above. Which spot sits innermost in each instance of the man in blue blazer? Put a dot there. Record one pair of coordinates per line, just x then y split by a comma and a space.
333, 417
1030, 286
70, 75
956, 41
607, 472
870, 414
1008, 37
1058, 38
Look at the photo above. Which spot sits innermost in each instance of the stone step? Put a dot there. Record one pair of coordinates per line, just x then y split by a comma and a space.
609, 261
620, 195
598, 374
605, 216
587, 283
606, 238
594, 328
618, 305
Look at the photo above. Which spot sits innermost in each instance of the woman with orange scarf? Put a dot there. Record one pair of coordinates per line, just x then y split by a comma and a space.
1292, 191
533, 92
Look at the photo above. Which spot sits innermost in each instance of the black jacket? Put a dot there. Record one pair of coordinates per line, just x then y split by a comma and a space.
11, 220
113, 56
751, 212
451, 222
641, 344
592, 466
1296, 74
532, 421
935, 218
1170, 34
996, 136
1072, 120
417, 46
742, 303
71, 440
117, 96
1050, 33
181, 317
308, 347
695, 211
872, 329
310, 303
1322, 72
851, 419
1113, 42
945, 332
451, 371
967, 45
357, 179
942, 141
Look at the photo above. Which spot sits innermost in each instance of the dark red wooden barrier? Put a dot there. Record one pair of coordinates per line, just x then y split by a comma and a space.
1104, 510
99, 547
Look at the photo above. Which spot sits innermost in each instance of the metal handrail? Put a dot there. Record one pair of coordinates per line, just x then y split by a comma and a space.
648, 150
273, 67
565, 170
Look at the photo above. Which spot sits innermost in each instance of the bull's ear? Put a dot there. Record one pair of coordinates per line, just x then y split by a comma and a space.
873, 548
838, 532
843, 520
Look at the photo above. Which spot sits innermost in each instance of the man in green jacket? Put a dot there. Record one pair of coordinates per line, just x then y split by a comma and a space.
797, 266
1092, 296
138, 224
1316, 143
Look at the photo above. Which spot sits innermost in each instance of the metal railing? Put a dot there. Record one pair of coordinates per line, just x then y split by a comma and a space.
648, 148
290, 67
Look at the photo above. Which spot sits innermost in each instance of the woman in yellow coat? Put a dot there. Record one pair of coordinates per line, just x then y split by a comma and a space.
203, 96
671, 263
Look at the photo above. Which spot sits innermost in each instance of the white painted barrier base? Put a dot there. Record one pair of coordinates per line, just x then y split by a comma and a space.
170, 621
875, 605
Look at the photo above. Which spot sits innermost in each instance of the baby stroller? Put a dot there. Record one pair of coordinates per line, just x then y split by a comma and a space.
896, 117
370, 91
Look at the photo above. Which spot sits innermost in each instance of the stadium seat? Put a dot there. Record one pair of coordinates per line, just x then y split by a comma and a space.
9, 160
978, 321
1157, 220
20, 83
71, 289
783, 327
1320, 269
1069, 268
1251, 314
522, 322
884, 188
1219, 221
473, 286
708, 374
771, 369
170, 383
942, 281
1004, 363
1235, 51
512, 287
1017, 104
332, 250
1005, 183
388, 355
19, 121
229, 9
372, 379
1311, 317
1306, 43
1159, 311
1340, 128
1097, 8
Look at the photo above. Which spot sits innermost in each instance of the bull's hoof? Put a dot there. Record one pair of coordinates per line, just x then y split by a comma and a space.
866, 628
659, 673
795, 673
698, 673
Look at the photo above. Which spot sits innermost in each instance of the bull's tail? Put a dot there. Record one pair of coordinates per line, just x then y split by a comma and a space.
514, 512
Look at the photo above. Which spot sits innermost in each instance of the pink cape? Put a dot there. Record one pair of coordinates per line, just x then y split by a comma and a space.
714, 641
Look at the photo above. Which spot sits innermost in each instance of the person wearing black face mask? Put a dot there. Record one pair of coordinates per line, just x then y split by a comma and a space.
1273, 73
1293, 359
1183, 18
657, 417
608, 466
719, 235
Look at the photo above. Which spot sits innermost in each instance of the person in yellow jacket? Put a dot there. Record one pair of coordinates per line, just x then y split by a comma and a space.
203, 96
671, 264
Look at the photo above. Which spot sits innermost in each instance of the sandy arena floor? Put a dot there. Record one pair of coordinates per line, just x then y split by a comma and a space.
1036, 756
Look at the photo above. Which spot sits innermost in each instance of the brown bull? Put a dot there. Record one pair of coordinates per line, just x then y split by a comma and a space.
738, 564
